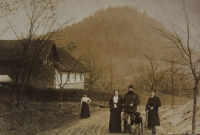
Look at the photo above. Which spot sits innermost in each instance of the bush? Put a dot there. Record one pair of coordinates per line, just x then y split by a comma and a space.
53, 95
73, 95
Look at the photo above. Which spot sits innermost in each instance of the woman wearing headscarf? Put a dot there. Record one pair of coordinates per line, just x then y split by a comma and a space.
115, 105
85, 112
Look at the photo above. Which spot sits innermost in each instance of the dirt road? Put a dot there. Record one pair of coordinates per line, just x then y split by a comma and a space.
97, 124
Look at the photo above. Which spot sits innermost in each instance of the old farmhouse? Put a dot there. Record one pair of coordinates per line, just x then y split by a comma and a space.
54, 67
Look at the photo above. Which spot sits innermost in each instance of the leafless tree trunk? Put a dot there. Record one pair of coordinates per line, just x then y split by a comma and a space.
185, 57
41, 24
61, 84
153, 76
95, 67
41, 20
174, 79
173, 89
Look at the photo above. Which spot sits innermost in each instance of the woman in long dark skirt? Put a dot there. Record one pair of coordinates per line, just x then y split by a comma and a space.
85, 112
115, 105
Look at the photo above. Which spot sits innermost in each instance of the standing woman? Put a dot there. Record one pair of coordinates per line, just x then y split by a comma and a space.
152, 110
85, 112
115, 105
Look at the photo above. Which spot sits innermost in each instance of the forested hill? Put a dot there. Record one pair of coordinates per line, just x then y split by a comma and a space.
122, 34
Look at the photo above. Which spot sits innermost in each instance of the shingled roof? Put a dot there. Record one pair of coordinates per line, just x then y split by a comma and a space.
65, 62
9, 48
69, 63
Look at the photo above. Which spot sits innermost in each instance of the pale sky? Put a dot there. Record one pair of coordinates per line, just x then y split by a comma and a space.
162, 10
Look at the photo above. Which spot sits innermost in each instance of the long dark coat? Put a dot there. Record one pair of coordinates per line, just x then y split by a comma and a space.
153, 117
115, 115
130, 98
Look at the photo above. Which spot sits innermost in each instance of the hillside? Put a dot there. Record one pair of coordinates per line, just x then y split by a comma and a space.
181, 118
120, 34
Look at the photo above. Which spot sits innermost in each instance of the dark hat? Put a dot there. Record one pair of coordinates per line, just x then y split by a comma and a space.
130, 86
152, 89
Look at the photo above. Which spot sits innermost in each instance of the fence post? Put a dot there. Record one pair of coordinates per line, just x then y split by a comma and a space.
164, 102
104, 99
185, 98
32, 115
12, 119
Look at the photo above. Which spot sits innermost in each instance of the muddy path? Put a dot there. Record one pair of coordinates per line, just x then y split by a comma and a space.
97, 124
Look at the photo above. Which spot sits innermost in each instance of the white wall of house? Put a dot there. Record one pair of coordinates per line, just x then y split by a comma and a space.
4, 79
69, 80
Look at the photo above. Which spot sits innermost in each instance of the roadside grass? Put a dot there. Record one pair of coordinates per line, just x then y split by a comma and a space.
34, 116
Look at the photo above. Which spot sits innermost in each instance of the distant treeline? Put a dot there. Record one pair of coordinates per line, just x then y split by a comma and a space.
33, 94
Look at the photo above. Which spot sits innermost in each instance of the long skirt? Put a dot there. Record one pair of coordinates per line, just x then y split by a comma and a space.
85, 112
115, 121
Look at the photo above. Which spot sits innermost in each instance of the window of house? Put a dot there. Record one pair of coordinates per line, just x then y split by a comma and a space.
81, 77
68, 77
61, 78
75, 77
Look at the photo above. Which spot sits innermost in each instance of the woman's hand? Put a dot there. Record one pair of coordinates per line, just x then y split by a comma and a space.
88, 101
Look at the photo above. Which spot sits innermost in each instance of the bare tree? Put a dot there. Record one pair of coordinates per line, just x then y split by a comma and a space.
153, 74
186, 55
61, 81
109, 73
6, 8
175, 76
95, 67
41, 19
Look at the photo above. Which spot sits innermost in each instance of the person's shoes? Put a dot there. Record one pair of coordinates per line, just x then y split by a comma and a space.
114, 132
149, 128
125, 131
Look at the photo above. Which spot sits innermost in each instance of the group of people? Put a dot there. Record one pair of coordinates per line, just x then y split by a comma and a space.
128, 104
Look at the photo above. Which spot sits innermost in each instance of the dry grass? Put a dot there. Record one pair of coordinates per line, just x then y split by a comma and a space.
34, 117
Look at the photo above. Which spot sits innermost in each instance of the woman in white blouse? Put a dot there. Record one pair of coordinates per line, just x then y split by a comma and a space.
85, 112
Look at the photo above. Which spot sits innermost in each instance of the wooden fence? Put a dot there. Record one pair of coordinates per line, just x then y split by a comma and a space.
166, 100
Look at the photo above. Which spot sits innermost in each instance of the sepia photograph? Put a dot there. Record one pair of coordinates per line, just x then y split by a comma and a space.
99, 67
